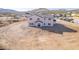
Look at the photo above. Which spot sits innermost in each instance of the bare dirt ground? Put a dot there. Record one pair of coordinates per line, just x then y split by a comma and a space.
63, 35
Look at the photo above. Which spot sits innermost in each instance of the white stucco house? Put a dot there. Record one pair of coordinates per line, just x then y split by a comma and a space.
41, 20
76, 21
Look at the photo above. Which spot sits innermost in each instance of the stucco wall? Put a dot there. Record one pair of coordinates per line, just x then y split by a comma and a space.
48, 21
44, 20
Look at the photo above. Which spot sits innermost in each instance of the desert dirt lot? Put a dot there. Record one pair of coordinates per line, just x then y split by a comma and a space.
63, 35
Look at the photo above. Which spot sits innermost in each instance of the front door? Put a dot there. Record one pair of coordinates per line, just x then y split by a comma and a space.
39, 25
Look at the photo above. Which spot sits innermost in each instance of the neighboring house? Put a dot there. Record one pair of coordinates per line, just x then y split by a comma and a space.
41, 20
76, 21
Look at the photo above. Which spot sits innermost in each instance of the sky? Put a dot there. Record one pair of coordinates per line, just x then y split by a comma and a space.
19, 5
25, 5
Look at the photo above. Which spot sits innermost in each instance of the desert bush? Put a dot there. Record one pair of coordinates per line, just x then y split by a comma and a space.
15, 20
61, 18
1, 22
9, 21
69, 20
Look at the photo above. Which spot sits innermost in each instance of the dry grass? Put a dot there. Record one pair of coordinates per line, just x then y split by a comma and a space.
19, 36
4, 21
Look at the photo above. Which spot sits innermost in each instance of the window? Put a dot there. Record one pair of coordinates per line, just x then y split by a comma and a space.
49, 23
27, 13
31, 23
38, 18
54, 20
49, 19
44, 23
30, 18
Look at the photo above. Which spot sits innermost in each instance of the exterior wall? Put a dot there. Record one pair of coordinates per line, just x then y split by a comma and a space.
41, 22
34, 19
48, 21
76, 21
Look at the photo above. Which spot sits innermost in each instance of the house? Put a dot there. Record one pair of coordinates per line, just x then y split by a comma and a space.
76, 20
41, 20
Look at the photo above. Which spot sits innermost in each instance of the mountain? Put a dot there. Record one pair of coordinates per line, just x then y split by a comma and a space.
7, 11
45, 11
53, 10
10, 11
39, 11
75, 11
61, 8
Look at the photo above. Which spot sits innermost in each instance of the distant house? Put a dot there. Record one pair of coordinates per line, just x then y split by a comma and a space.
76, 21
41, 20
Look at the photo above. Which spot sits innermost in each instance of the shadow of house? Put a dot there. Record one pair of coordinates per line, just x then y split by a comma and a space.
2, 49
57, 28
